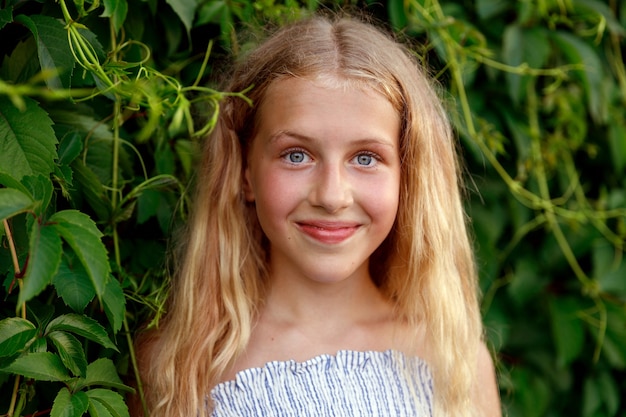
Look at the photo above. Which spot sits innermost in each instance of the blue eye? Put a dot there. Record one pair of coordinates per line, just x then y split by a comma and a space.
296, 157
365, 160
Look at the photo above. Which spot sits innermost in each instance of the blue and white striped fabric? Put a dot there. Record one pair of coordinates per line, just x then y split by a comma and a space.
350, 383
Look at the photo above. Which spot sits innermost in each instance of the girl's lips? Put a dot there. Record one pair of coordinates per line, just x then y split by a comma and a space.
328, 233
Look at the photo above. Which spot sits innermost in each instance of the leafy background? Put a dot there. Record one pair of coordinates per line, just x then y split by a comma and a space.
103, 107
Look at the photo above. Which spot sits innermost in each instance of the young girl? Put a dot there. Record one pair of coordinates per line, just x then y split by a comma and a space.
327, 269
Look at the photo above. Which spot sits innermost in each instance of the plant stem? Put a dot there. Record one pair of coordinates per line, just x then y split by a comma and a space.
16, 267
133, 359
16, 388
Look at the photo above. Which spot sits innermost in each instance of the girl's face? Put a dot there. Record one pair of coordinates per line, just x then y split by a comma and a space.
324, 173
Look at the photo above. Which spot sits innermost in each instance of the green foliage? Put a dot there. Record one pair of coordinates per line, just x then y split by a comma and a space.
102, 109
537, 90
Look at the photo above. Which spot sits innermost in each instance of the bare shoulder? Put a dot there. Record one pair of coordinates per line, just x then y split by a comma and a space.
486, 395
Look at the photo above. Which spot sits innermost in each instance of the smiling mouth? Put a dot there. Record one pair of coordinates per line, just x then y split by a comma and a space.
328, 233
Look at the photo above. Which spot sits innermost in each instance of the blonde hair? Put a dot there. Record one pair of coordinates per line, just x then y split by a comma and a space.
425, 266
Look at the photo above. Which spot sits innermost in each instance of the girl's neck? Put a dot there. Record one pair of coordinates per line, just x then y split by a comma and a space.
306, 302
303, 319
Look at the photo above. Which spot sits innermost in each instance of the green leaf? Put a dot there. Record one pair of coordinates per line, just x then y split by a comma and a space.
185, 9
71, 352
81, 233
22, 63
610, 392
39, 345
82, 326
27, 140
67, 404
73, 284
70, 146
13, 202
487, 9
592, 399
211, 12
617, 145
186, 151
102, 372
97, 409
567, 329
523, 46
91, 189
45, 257
6, 16
41, 189
590, 7
397, 14
111, 400
526, 282
15, 333
42, 313
117, 11
609, 268
52, 47
579, 52
147, 205
114, 304
41, 366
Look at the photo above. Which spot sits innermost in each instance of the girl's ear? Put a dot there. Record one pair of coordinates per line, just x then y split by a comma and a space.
248, 190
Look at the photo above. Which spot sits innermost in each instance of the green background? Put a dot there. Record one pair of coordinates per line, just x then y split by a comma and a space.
103, 107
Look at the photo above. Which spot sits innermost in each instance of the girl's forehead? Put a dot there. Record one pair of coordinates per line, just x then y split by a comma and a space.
328, 81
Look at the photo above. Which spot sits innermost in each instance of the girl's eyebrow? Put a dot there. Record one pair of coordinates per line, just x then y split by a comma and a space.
373, 141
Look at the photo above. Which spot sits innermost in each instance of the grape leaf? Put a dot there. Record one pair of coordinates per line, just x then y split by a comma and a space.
27, 141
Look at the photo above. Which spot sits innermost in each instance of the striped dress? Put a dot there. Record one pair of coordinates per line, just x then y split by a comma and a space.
350, 383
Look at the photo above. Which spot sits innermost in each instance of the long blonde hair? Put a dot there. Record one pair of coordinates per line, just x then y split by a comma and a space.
425, 266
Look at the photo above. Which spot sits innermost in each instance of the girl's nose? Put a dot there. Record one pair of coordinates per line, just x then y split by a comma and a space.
332, 189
